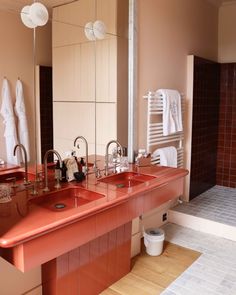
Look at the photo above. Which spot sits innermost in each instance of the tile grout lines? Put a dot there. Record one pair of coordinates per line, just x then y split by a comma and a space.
213, 273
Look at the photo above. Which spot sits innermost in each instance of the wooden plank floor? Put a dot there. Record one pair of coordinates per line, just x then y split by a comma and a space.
151, 275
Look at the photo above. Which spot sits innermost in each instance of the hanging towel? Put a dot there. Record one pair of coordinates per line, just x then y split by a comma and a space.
23, 133
10, 125
168, 156
172, 116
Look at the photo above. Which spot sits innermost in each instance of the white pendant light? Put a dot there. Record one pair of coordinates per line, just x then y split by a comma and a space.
99, 29
96, 30
27, 21
88, 30
38, 14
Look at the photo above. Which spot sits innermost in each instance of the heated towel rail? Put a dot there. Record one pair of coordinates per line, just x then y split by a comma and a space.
155, 137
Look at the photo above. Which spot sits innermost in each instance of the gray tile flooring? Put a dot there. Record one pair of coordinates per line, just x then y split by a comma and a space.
213, 273
217, 204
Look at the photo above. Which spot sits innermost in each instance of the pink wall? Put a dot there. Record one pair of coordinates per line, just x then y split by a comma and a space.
227, 40
16, 60
168, 31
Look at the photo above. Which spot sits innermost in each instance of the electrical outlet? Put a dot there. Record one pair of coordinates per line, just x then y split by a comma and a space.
164, 217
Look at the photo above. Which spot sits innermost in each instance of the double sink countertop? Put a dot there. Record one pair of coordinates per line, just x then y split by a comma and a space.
26, 217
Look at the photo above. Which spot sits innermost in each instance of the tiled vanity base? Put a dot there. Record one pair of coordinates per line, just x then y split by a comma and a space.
90, 268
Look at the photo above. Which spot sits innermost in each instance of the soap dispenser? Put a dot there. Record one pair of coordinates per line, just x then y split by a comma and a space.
64, 172
83, 165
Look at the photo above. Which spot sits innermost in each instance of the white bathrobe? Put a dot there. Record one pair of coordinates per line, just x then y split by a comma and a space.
10, 125
23, 133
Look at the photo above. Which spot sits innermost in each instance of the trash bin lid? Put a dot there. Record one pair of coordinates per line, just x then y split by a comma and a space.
157, 232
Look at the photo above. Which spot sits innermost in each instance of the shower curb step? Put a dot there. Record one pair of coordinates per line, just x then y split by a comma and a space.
202, 225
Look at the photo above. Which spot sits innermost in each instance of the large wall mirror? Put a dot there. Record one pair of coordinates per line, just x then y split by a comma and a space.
16, 62
81, 76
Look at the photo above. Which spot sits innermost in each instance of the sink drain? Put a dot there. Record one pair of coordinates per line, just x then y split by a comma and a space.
60, 206
120, 185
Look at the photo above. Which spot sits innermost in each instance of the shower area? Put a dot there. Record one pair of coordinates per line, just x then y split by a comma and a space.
212, 181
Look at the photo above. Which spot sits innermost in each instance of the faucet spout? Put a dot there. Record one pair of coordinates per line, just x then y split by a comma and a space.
86, 148
107, 150
45, 161
19, 145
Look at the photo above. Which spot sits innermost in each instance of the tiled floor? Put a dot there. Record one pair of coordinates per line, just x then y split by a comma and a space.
217, 204
213, 273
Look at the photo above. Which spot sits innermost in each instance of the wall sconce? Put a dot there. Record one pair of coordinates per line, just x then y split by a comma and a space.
96, 30
99, 29
34, 15
89, 33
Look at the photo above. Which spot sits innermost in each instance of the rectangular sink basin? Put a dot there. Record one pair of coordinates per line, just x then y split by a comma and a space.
67, 198
19, 175
126, 179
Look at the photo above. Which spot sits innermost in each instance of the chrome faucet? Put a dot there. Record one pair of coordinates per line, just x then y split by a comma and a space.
96, 170
45, 161
26, 181
107, 156
86, 149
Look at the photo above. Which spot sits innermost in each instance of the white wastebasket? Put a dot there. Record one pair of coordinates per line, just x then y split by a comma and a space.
154, 240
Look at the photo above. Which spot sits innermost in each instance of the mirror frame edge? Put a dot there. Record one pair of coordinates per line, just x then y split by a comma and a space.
132, 102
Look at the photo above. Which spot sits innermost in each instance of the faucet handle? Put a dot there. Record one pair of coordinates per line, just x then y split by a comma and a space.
26, 182
57, 185
39, 176
33, 187
98, 173
96, 170
46, 189
95, 164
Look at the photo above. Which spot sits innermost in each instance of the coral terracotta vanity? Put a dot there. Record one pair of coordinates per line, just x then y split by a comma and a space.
81, 234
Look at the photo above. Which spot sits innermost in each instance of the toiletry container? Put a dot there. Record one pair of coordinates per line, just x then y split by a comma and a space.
63, 172
82, 162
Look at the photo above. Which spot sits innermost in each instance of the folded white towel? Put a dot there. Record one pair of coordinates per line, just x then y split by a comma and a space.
168, 156
172, 116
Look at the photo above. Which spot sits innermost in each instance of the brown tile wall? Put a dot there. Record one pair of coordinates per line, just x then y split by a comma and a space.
46, 111
206, 100
226, 157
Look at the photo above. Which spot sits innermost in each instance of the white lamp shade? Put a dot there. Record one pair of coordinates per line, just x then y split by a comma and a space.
99, 29
26, 18
38, 13
88, 30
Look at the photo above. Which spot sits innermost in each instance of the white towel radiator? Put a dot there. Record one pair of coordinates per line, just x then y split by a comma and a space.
155, 137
